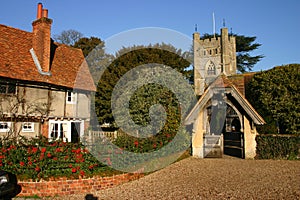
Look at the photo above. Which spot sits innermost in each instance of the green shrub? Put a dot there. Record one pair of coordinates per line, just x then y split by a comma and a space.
40, 159
278, 147
275, 95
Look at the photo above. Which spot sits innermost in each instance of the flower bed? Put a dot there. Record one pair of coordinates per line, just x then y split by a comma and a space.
37, 159
63, 186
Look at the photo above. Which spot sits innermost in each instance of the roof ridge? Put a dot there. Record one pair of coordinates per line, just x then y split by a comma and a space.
18, 29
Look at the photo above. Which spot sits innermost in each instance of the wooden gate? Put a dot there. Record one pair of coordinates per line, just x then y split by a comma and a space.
234, 144
213, 146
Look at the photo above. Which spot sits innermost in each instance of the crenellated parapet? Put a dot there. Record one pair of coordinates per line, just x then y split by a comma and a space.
213, 56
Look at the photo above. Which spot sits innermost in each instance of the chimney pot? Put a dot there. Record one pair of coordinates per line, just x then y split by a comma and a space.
39, 11
45, 13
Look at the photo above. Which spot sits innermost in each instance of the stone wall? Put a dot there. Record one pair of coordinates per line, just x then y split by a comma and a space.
62, 186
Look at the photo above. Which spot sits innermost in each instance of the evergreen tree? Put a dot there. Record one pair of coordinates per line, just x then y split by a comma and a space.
127, 59
244, 45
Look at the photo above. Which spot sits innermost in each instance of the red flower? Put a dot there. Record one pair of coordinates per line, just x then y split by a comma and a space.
91, 166
57, 150
77, 151
82, 173
55, 158
54, 144
154, 145
29, 163
136, 143
70, 165
34, 149
38, 169
22, 163
74, 170
43, 150
168, 135
49, 155
11, 147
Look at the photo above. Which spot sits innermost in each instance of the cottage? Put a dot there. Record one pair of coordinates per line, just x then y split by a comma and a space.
45, 87
223, 121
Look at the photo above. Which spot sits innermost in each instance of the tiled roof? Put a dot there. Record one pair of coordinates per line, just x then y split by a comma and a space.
229, 81
68, 67
225, 82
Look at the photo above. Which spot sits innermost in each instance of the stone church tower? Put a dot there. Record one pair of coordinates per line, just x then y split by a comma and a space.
213, 57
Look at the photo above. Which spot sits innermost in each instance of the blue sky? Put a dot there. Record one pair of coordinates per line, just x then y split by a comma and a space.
275, 23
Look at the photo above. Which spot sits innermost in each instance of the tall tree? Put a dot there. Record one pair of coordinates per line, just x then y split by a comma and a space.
244, 45
127, 59
94, 52
88, 44
69, 37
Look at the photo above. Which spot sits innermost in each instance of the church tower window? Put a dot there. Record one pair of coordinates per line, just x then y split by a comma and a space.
211, 68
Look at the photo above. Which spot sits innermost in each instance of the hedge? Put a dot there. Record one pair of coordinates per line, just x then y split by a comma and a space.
278, 147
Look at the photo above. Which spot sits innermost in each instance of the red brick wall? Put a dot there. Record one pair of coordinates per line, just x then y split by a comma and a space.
79, 186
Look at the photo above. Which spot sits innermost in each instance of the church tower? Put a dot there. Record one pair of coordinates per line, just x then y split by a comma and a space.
212, 57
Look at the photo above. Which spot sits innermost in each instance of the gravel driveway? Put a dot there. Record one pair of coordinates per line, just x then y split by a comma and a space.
194, 178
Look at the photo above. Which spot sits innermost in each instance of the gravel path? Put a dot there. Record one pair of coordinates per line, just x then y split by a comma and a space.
194, 178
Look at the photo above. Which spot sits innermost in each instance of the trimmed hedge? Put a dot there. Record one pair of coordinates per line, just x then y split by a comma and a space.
278, 147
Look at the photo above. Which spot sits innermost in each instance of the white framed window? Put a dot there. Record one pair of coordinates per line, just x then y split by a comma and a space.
5, 126
71, 97
28, 127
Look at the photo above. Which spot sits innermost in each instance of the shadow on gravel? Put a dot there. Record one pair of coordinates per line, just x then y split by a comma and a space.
90, 197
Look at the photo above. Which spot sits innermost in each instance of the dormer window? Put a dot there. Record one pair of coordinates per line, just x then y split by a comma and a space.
71, 97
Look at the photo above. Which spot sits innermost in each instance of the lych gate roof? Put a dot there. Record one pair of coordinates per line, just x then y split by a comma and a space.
224, 82
67, 65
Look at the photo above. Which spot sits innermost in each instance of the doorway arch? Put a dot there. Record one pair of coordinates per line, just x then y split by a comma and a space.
230, 140
233, 136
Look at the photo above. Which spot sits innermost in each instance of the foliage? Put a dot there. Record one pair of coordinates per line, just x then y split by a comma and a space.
94, 53
68, 37
275, 95
278, 147
127, 59
88, 44
244, 45
38, 159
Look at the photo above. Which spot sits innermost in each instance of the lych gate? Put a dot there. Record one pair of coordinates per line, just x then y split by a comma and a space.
223, 120
223, 127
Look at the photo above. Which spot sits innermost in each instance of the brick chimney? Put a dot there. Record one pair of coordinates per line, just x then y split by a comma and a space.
41, 40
